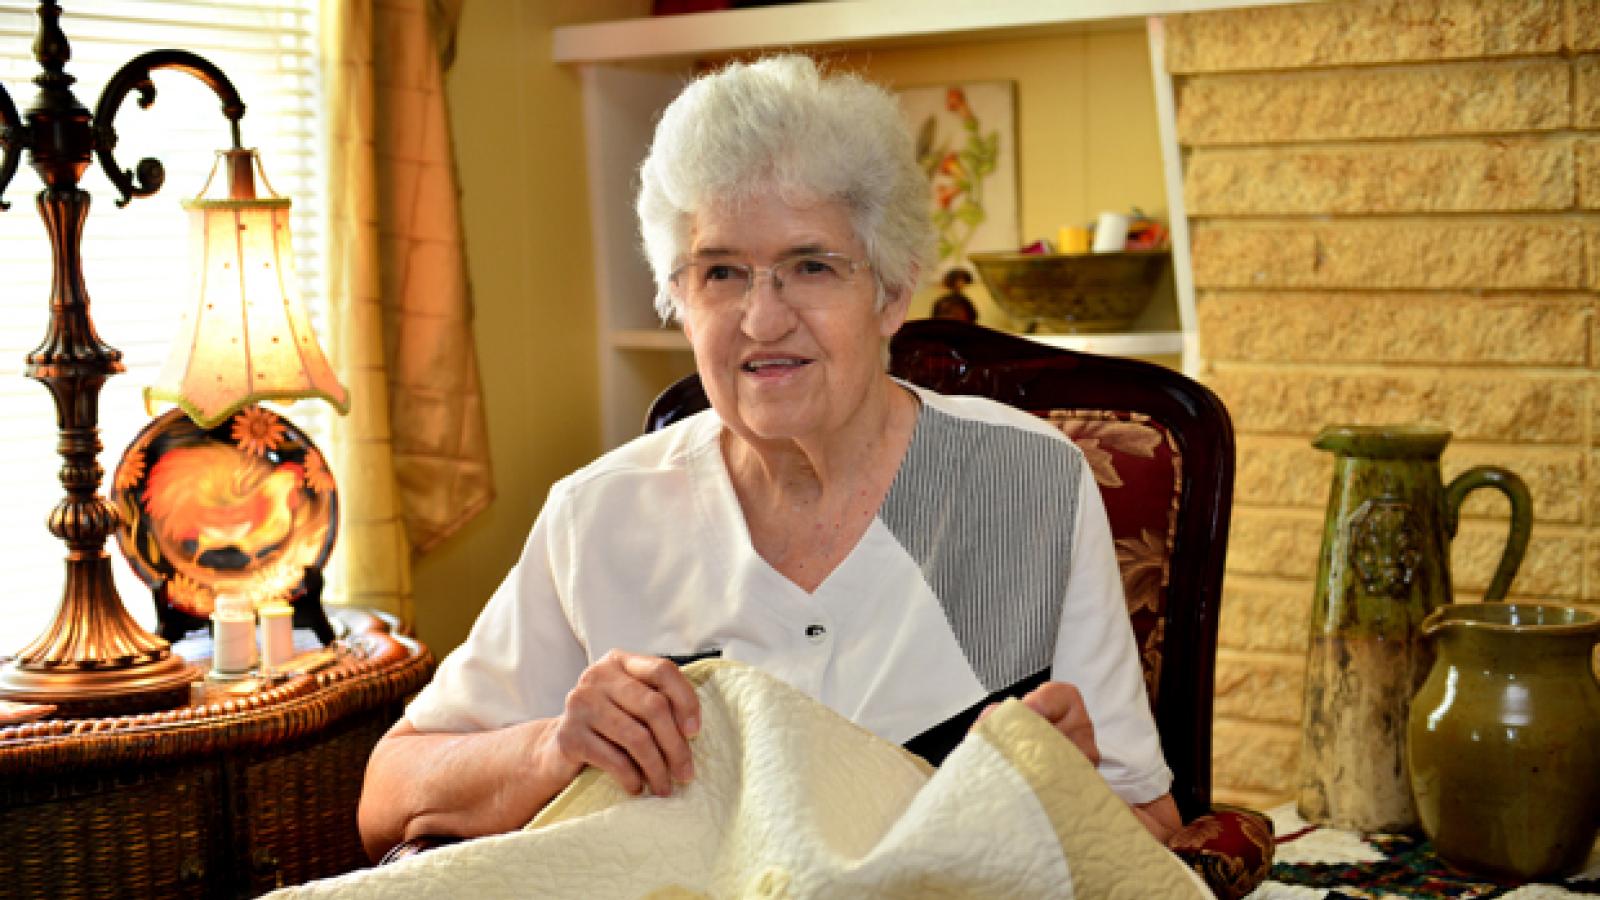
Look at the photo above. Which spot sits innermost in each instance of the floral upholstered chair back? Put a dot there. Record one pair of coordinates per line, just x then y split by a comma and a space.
1139, 469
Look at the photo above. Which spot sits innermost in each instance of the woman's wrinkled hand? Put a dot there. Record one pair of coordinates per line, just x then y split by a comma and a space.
1061, 705
631, 716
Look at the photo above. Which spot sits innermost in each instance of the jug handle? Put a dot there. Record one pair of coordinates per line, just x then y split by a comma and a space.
1430, 624
1511, 484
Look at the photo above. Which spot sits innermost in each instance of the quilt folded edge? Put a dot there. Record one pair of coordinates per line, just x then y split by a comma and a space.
1062, 779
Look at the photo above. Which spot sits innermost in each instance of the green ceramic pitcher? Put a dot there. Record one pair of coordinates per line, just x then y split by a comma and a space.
1385, 565
1504, 739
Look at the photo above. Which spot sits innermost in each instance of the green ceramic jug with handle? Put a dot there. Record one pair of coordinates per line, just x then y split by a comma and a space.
1384, 566
1503, 745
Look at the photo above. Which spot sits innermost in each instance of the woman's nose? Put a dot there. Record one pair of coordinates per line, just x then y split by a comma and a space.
766, 316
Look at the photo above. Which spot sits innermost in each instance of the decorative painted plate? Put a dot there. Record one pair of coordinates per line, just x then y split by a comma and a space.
243, 508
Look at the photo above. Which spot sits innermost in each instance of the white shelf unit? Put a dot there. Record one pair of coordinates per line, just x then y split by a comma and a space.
630, 70
1132, 343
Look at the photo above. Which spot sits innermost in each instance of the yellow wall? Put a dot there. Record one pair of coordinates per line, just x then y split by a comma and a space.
517, 120
1087, 141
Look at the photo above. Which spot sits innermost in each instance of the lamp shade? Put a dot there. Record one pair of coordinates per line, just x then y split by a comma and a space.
246, 336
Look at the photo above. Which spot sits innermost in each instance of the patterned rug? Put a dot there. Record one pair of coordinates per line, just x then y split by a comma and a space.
1315, 863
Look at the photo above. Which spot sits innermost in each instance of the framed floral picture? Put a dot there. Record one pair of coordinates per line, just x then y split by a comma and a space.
966, 141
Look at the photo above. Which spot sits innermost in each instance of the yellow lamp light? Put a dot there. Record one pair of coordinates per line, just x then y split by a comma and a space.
247, 336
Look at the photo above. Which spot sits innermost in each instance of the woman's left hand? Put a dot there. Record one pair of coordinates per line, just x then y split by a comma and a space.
1062, 706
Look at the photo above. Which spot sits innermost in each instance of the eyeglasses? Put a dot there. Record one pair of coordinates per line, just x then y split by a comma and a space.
803, 281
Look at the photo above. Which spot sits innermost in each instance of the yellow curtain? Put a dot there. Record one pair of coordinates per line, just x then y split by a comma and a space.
413, 454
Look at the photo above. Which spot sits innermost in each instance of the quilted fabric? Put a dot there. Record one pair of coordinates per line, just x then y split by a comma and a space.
794, 801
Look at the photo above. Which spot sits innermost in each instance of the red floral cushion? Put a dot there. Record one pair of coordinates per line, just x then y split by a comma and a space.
1140, 473
1231, 849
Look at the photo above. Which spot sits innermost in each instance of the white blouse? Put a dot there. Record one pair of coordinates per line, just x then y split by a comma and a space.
990, 561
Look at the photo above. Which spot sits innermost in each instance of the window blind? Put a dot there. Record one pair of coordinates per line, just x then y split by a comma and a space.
134, 257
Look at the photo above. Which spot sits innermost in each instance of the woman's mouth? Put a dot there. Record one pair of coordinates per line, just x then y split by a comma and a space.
773, 365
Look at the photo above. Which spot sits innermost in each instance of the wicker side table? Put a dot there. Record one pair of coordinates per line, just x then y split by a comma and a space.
218, 799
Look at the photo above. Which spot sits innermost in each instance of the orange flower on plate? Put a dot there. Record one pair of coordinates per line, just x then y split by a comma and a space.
189, 595
946, 194
317, 476
257, 430
131, 469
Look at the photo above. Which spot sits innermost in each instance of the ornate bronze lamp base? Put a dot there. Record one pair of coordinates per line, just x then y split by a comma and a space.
82, 694
94, 659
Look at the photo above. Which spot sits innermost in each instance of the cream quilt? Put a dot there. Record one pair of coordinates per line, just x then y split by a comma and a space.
792, 800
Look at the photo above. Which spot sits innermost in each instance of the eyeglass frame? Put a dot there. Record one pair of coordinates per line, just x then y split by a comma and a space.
755, 272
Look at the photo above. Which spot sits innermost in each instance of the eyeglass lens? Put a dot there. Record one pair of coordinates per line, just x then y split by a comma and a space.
808, 280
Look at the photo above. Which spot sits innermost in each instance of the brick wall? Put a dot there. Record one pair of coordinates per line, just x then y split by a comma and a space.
1395, 217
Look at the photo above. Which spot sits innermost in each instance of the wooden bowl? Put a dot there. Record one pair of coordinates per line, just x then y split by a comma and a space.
1092, 292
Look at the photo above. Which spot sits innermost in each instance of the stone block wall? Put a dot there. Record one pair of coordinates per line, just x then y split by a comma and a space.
1395, 217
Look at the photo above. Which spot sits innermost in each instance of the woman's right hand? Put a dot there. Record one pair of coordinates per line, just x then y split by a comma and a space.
630, 716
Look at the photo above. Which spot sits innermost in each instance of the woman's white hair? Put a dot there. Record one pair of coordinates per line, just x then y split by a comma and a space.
782, 124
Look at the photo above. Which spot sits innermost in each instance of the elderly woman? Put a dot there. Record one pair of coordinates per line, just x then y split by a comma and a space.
906, 558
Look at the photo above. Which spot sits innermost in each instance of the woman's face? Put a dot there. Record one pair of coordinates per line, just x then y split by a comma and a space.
783, 364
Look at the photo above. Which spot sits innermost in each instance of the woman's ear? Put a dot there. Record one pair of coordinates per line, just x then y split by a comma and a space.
896, 306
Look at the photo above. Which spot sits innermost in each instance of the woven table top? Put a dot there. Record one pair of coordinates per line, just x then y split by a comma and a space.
368, 665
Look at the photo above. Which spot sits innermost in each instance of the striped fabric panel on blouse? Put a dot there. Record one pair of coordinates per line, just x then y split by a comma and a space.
988, 512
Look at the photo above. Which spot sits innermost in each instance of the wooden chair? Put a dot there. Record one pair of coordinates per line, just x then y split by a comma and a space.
1161, 447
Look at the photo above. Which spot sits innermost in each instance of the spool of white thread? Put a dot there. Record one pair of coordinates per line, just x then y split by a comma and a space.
1110, 232
233, 636
277, 635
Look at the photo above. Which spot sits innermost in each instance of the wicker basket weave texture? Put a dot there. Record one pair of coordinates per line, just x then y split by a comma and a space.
227, 800
72, 845
296, 813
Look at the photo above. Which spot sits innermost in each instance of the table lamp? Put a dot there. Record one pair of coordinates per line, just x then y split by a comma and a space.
223, 497
93, 658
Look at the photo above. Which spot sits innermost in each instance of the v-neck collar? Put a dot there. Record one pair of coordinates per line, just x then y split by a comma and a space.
716, 463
